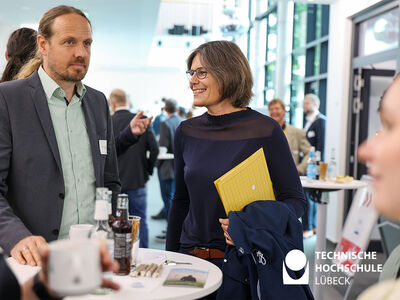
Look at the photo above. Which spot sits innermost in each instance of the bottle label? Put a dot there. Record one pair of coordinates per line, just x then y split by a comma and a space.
311, 172
101, 210
110, 245
331, 173
122, 245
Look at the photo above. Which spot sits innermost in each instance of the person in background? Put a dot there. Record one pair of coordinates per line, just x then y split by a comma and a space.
382, 154
165, 167
181, 112
208, 146
37, 287
56, 141
133, 165
30, 66
189, 114
315, 133
158, 120
296, 137
315, 123
21, 47
156, 128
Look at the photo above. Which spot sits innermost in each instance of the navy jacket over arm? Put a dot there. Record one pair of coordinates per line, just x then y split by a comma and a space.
263, 234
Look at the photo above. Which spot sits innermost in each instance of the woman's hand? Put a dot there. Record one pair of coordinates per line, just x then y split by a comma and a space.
224, 226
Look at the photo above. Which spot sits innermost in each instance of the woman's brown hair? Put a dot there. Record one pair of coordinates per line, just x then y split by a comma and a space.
226, 62
21, 47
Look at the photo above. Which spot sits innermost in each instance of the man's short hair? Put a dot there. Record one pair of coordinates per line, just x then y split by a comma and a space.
118, 96
226, 62
276, 101
314, 99
47, 20
182, 110
170, 106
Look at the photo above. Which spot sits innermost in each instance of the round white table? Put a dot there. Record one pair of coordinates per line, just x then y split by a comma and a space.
317, 187
144, 288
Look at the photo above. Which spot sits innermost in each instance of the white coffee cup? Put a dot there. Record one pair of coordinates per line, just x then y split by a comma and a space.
80, 231
74, 267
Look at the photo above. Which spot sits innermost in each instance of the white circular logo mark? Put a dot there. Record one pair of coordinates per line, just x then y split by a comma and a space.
296, 260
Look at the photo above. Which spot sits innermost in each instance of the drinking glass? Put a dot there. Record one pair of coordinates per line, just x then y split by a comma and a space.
323, 168
135, 238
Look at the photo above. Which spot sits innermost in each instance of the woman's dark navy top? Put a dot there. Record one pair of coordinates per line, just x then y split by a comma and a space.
205, 148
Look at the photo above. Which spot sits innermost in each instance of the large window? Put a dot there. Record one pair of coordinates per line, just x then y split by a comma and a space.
379, 33
289, 59
272, 47
309, 57
262, 48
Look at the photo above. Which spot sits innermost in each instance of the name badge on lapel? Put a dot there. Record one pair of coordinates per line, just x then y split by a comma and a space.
311, 134
103, 147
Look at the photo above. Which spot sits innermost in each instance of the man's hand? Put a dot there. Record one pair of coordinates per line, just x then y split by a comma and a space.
108, 264
224, 226
27, 250
138, 125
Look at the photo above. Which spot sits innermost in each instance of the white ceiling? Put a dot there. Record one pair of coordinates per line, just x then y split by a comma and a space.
122, 29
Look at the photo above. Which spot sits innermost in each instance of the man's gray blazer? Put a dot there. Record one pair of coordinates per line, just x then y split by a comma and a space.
32, 187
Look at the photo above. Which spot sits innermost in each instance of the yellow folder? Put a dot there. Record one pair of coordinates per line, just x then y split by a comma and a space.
249, 181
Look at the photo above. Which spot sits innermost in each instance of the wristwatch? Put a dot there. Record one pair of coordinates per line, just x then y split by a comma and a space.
40, 289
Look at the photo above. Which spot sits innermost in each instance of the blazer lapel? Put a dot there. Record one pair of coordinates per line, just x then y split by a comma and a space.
42, 108
94, 143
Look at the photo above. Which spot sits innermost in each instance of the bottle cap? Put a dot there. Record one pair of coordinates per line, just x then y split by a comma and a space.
101, 193
122, 201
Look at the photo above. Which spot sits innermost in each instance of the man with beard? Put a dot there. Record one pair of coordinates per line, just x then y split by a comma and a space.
56, 141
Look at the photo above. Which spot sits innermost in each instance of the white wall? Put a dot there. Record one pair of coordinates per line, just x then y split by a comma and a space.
339, 62
144, 86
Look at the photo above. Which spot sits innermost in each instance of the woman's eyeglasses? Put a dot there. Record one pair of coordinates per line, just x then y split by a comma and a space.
201, 73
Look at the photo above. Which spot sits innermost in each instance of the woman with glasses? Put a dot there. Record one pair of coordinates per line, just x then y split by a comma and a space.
208, 146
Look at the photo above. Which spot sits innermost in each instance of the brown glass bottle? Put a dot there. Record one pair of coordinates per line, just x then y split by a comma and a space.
122, 236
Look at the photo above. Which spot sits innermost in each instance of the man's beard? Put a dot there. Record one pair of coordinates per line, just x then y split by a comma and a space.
309, 112
67, 75
75, 77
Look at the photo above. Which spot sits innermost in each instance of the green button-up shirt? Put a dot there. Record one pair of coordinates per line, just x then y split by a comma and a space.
75, 153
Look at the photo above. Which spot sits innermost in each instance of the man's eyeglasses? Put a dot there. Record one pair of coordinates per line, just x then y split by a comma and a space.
201, 73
